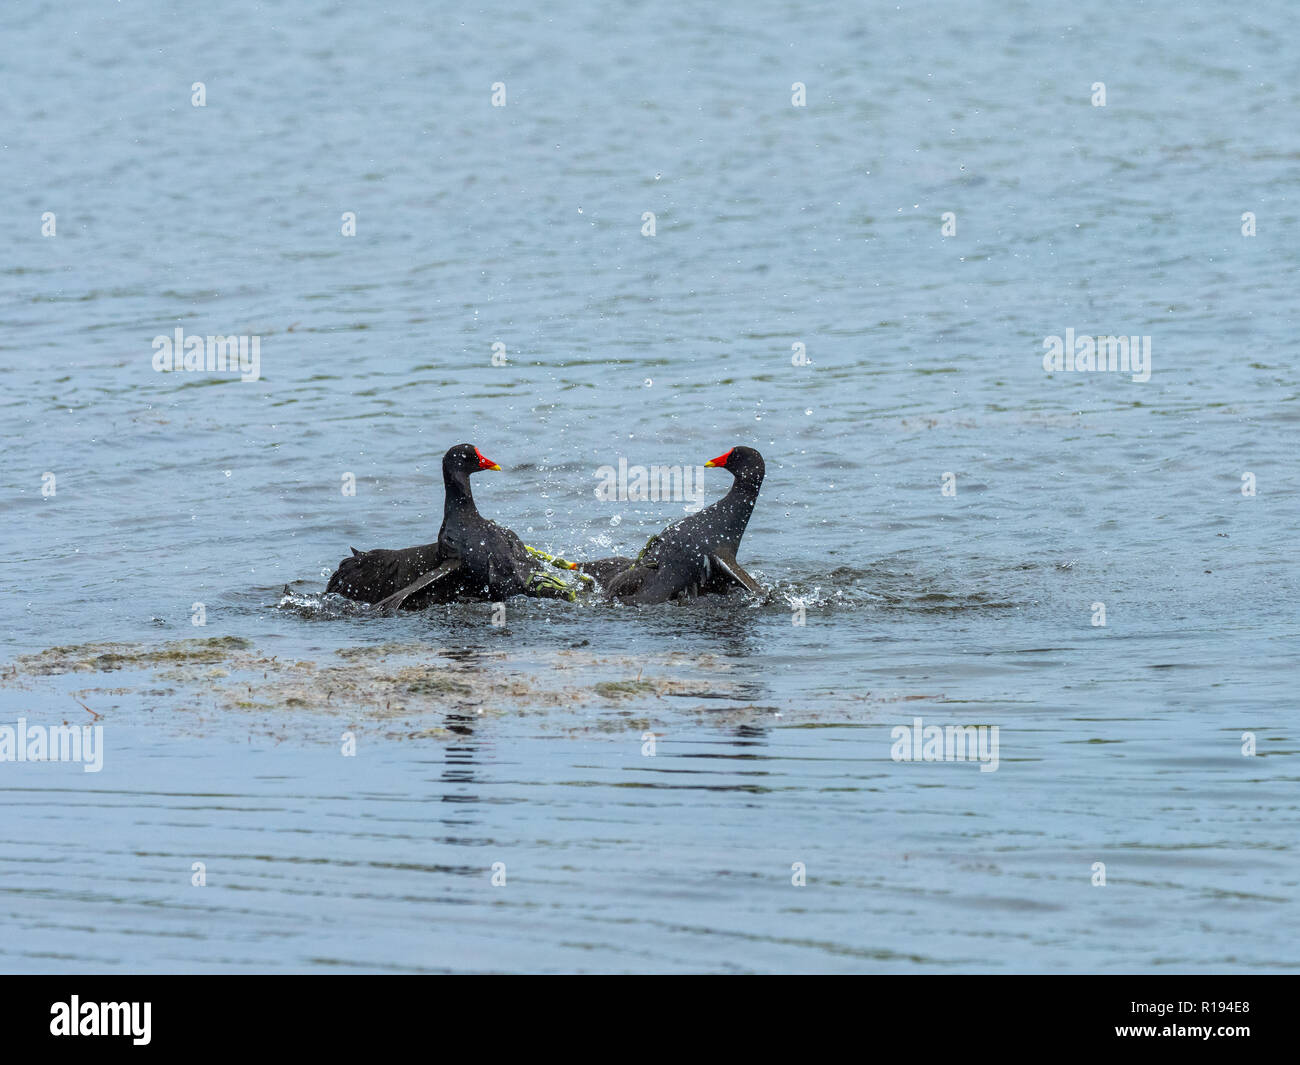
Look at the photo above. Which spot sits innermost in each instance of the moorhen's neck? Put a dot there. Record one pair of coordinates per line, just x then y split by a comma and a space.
735, 508
458, 494
744, 489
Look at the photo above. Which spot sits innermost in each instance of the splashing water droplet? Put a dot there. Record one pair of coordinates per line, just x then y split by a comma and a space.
649, 383
616, 520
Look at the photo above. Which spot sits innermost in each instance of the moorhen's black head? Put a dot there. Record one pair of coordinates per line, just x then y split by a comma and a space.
465, 459
744, 463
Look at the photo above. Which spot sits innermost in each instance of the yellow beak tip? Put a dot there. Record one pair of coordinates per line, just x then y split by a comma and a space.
496, 467
709, 464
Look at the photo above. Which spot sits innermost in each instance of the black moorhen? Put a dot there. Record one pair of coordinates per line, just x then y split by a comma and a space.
473, 558
697, 555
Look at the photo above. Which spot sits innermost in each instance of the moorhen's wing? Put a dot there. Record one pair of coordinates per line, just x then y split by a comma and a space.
510, 566
394, 601
726, 562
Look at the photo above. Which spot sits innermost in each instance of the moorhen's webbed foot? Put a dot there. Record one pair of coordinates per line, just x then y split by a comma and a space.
543, 585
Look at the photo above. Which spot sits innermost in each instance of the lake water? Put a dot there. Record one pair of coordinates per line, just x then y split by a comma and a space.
948, 516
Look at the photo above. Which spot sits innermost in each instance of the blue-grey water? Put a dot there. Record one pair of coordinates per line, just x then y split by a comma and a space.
949, 515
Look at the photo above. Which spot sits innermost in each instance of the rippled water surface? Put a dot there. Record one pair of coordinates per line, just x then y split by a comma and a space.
129, 496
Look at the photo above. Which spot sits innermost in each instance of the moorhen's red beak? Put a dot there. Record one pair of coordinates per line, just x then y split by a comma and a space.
720, 461
485, 463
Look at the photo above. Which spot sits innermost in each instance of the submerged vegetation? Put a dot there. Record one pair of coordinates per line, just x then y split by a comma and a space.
408, 689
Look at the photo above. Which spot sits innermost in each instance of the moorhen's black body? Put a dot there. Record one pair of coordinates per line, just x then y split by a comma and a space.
473, 558
697, 555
